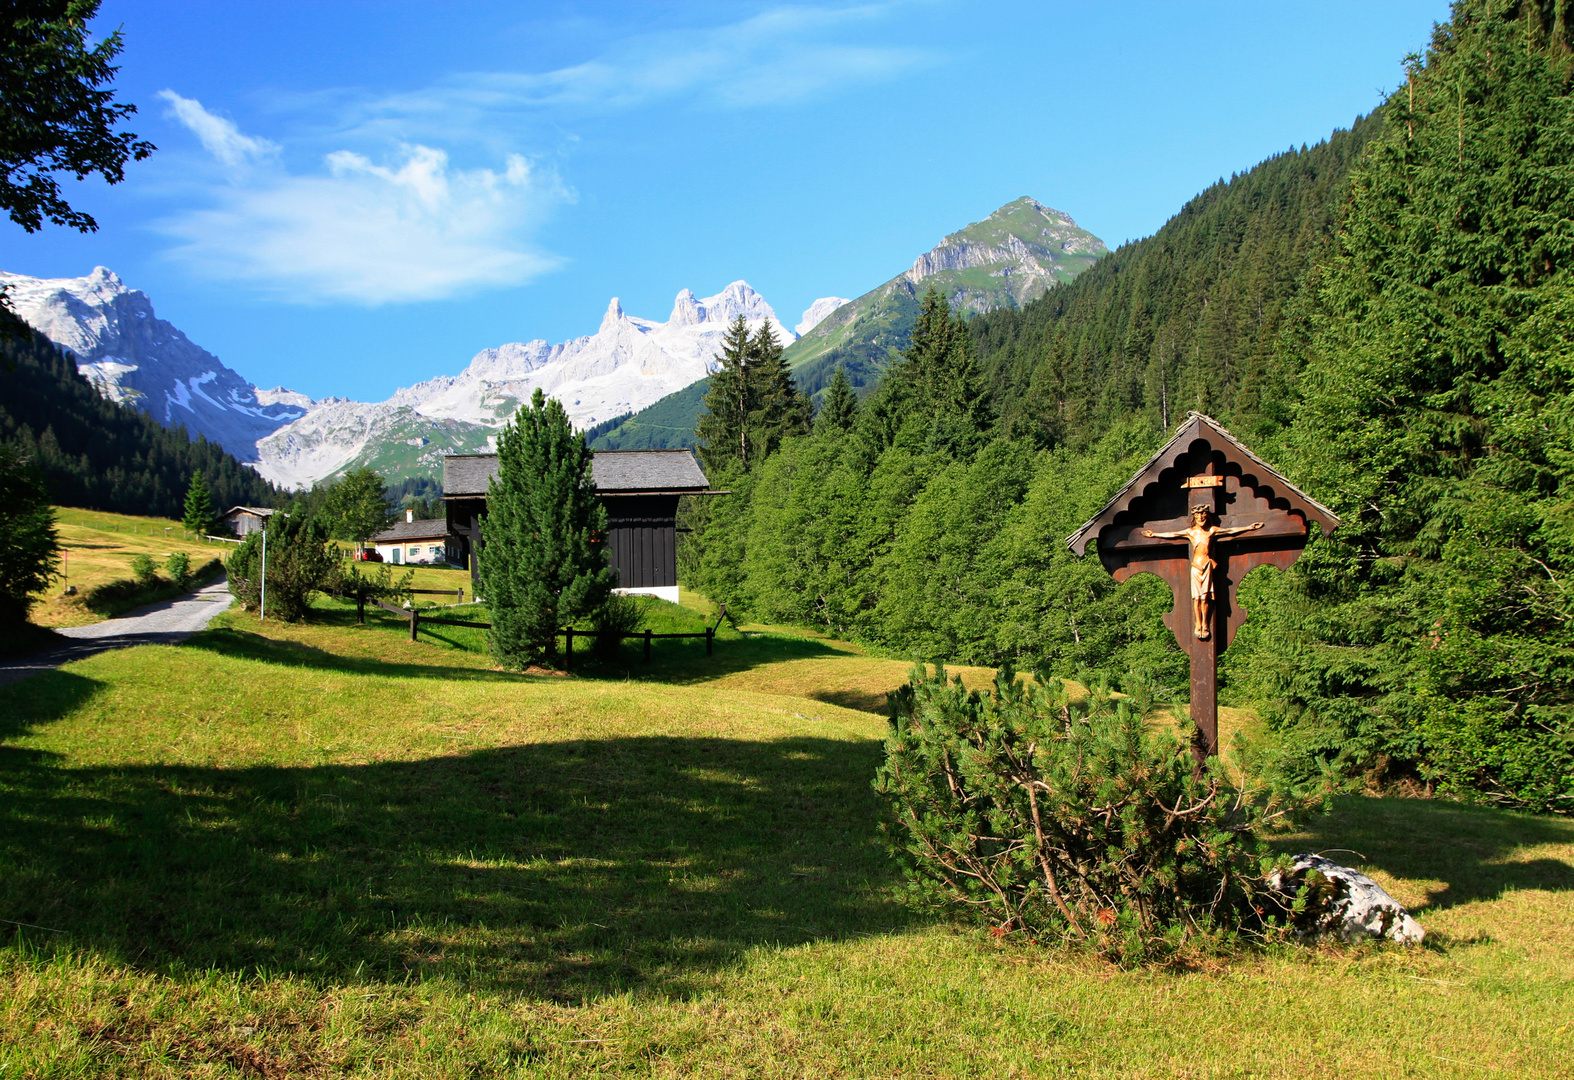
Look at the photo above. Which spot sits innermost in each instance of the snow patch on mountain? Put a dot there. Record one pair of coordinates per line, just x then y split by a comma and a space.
626, 365
134, 357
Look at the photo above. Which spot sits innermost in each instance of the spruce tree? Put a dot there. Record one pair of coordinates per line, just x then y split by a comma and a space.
198, 515
723, 429
777, 410
840, 408
1437, 411
542, 566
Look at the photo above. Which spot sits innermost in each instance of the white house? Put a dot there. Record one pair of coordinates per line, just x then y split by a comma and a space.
410, 542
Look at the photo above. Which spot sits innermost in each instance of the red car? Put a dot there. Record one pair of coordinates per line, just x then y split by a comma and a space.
366, 555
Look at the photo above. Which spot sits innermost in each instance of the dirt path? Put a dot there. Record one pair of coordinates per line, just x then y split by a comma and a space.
157, 624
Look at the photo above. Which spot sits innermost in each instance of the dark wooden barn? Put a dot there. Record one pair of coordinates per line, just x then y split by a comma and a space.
640, 489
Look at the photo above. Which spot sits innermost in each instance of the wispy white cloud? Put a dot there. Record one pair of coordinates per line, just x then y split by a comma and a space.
412, 229
394, 220
778, 57
219, 137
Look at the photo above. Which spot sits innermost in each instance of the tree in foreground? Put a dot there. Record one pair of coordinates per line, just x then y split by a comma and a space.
1075, 820
198, 512
29, 547
356, 507
59, 115
542, 563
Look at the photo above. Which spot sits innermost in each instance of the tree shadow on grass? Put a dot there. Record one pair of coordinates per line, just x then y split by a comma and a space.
246, 645
562, 871
1469, 850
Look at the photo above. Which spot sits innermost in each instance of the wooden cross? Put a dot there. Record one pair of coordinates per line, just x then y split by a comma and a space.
1241, 514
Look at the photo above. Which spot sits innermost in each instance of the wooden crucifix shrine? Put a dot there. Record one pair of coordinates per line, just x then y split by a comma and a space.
1202, 514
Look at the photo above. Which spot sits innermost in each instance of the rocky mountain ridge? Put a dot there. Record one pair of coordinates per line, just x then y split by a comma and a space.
293, 440
134, 357
1011, 258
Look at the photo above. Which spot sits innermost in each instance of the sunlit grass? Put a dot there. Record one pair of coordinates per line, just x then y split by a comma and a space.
324, 850
99, 548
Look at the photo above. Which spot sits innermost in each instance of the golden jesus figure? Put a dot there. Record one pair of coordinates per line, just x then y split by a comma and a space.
1201, 536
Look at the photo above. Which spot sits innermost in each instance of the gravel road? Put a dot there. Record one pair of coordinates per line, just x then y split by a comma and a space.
157, 624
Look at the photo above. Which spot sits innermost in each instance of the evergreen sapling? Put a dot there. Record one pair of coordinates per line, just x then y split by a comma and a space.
543, 564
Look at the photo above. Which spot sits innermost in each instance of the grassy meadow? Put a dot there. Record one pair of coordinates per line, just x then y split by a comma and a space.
324, 850
99, 548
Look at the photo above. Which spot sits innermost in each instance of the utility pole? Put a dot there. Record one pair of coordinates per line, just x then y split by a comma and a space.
262, 603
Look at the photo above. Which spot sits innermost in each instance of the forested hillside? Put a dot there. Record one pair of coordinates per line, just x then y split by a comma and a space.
1388, 317
97, 454
1189, 318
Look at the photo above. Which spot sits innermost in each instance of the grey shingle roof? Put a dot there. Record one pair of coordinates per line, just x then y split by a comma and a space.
613, 470
401, 531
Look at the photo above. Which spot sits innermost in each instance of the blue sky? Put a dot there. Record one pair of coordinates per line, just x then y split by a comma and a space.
349, 198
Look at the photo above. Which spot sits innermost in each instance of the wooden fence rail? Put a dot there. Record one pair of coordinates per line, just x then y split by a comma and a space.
416, 619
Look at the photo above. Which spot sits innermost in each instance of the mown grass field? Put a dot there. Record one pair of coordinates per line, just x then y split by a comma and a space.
99, 548
324, 850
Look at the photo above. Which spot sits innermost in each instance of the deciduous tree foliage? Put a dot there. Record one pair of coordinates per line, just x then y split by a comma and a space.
356, 506
58, 115
301, 562
543, 565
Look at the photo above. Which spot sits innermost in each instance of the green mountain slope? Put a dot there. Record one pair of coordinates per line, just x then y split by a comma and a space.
666, 425
1018, 253
1192, 317
1013, 256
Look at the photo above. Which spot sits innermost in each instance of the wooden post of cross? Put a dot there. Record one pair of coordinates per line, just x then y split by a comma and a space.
1201, 515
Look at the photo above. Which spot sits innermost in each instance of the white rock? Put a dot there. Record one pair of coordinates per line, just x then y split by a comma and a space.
816, 312
1349, 905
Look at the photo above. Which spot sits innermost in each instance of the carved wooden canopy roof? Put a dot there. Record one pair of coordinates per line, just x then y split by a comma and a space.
1157, 492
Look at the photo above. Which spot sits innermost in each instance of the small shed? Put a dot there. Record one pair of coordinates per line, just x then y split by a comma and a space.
244, 520
640, 489
416, 543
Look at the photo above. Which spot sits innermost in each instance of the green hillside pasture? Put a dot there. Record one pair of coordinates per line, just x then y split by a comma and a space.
323, 850
666, 425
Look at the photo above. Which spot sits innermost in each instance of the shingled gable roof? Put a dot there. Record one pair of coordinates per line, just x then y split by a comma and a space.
402, 531
614, 471
1197, 426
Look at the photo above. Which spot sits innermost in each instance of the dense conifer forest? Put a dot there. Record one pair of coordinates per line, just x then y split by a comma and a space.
100, 455
1387, 317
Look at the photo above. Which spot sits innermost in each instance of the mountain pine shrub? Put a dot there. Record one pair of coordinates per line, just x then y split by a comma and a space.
301, 561
1028, 810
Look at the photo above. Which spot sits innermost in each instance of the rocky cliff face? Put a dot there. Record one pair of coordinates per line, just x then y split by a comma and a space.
138, 359
1013, 256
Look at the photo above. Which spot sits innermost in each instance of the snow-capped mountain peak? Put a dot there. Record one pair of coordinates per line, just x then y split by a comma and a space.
627, 364
134, 357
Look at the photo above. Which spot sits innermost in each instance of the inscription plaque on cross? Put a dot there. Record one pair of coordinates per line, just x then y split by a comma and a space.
1201, 515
